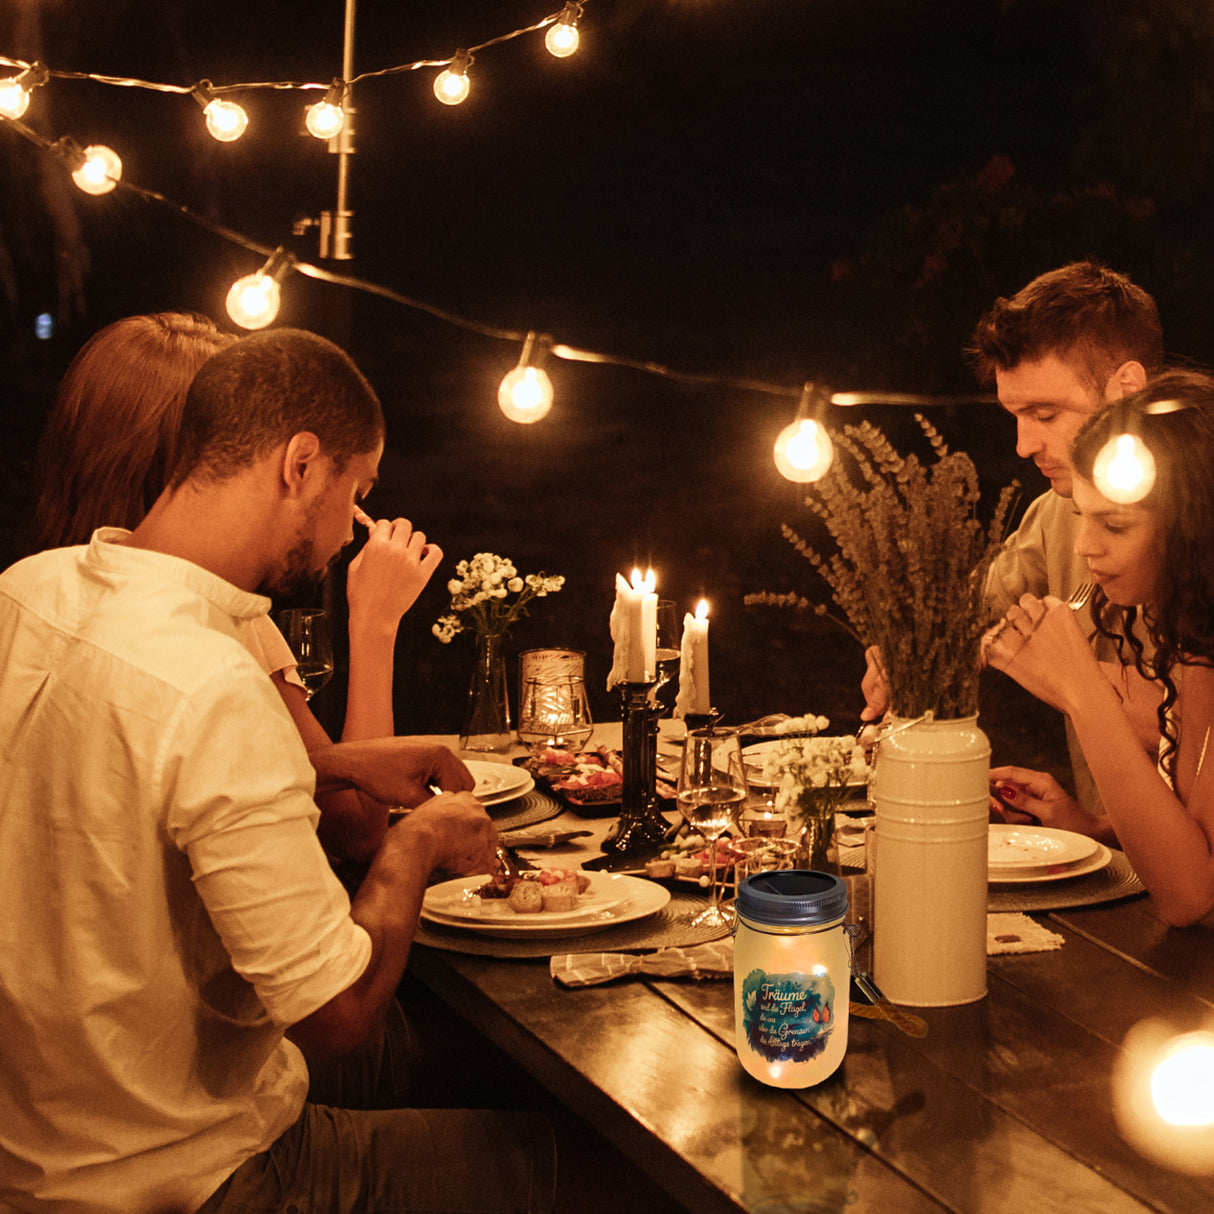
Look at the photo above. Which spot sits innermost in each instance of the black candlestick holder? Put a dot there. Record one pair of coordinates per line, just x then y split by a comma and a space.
641, 824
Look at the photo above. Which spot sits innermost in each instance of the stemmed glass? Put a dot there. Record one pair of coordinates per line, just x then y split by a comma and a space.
307, 632
711, 791
666, 655
554, 711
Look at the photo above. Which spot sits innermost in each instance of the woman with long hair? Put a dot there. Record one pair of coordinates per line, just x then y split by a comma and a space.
1145, 727
107, 453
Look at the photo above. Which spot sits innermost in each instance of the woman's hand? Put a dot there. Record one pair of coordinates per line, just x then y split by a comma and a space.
1035, 796
1040, 645
389, 573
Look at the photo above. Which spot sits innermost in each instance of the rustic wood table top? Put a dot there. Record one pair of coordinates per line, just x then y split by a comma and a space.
1005, 1105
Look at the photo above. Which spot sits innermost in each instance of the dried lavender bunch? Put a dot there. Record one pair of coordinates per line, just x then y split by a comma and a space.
910, 564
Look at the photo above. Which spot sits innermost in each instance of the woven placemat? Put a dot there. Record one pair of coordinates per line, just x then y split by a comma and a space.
530, 808
1116, 880
664, 929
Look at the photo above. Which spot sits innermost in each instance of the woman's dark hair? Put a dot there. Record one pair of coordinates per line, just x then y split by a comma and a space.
1174, 417
110, 442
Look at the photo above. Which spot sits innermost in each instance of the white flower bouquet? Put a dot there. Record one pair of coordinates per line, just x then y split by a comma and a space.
488, 595
812, 776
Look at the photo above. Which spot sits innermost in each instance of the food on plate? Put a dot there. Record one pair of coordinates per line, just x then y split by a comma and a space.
550, 889
591, 777
690, 857
659, 869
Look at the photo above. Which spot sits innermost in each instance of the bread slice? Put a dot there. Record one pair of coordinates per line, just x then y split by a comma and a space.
526, 898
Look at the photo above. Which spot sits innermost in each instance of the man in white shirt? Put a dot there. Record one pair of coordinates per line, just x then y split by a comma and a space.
171, 935
1057, 351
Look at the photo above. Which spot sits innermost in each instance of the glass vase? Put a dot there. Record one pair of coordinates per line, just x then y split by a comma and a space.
487, 720
817, 840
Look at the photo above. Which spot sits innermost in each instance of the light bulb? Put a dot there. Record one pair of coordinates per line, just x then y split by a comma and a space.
100, 172
525, 395
225, 120
561, 39
253, 300
452, 86
1124, 470
325, 120
1182, 1083
14, 97
803, 451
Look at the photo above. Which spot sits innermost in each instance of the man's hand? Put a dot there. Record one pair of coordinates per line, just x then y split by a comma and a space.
456, 831
874, 685
396, 771
392, 569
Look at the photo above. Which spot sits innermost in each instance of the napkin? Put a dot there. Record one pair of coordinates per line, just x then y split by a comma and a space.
711, 960
1012, 932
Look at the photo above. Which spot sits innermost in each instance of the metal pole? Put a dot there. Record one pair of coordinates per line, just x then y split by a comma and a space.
335, 224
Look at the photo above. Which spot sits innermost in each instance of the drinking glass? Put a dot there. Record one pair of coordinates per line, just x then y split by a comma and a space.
666, 656
307, 632
554, 712
711, 791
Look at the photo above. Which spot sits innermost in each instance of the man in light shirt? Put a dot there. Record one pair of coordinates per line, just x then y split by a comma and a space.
1057, 351
172, 936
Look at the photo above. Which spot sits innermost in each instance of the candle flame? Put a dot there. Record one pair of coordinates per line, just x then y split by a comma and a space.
637, 583
650, 582
702, 609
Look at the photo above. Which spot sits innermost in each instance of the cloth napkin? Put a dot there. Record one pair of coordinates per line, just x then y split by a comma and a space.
711, 960
1012, 932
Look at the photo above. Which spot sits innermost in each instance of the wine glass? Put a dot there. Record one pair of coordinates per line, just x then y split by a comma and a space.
307, 632
554, 712
666, 656
711, 791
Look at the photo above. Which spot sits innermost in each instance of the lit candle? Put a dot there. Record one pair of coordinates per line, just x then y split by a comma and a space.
634, 629
694, 696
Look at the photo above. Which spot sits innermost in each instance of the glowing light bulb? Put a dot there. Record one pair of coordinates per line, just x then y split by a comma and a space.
100, 172
803, 451
226, 120
1182, 1083
1124, 470
325, 120
561, 39
452, 85
525, 395
253, 300
14, 97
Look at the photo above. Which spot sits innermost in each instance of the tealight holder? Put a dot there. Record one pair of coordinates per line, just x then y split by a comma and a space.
641, 824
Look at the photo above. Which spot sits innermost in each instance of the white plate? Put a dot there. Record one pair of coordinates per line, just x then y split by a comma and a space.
1011, 847
754, 757
498, 781
1099, 859
612, 899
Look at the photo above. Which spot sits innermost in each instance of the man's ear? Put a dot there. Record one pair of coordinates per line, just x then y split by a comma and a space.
300, 462
1129, 378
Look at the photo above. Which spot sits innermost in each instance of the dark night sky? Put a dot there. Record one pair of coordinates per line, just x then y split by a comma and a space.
775, 189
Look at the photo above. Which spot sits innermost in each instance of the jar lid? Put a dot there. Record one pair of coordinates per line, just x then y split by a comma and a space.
792, 897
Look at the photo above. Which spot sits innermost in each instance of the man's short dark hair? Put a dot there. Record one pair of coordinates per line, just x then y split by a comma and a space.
263, 389
1084, 313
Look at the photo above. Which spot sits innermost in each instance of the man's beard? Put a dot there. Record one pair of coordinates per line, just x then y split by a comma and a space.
297, 575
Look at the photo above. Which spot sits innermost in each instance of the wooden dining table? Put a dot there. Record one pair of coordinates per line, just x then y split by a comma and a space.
1005, 1104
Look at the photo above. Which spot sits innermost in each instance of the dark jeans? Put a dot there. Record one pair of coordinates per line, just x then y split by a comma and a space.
356, 1150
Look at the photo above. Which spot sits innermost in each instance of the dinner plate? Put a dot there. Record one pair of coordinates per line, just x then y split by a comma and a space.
1099, 859
754, 756
611, 899
1011, 847
496, 782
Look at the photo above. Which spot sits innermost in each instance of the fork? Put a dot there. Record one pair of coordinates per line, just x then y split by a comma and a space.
1080, 596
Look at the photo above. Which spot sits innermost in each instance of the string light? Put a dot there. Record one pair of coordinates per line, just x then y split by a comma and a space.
562, 37
253, 300
1124, 470
803, 450
526, 392
226, 121
325, 119
1163, 1095
15, 90
451, 86
96, 170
